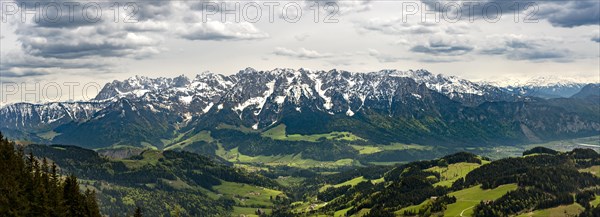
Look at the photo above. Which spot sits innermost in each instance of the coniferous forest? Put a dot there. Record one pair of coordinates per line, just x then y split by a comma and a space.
30, 186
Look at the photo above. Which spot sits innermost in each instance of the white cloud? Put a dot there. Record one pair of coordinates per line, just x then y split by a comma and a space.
395, 26
301, 53
218, 31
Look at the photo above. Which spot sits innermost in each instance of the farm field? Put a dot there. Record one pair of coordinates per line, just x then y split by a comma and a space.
351, 182
279, 133
453, 172
296, 160
247, 211
569, 210
147, 157
414, 208
247, 195
466, 199
593, 170
201, 136
371, 149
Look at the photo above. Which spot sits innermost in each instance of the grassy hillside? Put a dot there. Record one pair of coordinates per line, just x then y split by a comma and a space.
279, 133
164, 182
563, 210
543, 183
467, 199
459, 185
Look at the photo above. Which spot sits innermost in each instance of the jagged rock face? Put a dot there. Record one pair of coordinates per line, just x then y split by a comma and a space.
266, 92
46, 116
190, 97
261, 95
142, 109
264, 96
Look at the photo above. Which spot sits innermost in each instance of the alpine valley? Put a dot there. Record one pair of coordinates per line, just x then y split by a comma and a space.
300, 142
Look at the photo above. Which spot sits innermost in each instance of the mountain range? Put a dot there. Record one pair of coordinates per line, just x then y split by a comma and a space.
241, 110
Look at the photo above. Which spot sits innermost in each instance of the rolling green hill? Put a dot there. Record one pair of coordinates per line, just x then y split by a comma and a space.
542, 183
461, 184
164, 182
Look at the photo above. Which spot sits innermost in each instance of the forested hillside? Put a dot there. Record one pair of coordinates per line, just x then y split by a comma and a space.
543, 182
33, 187
164, 183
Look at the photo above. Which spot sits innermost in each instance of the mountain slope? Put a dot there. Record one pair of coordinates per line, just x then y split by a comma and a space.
382, 107
590, 90
40, 117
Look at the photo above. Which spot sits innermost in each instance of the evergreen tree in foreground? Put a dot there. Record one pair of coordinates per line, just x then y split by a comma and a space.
138, 212
31, 188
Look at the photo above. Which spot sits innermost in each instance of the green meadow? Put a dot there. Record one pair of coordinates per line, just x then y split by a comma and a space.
279, 133
565, 210
452, 172
467, 199
246, 195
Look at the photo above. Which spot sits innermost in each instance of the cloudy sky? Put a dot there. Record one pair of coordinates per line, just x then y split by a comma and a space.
494, 40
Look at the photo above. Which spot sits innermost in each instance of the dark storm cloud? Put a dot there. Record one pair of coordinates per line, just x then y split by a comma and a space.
494, 51
530, 49
562, 13
140, 37
10, 74
81, 43
24, 65
74, 44
538, 55
19, 60
64, 32
61, 14
442, 48
72, 14
570, 13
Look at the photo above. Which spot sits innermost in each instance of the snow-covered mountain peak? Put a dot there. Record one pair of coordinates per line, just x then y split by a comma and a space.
248, 70
547, 81
545, 86
250, 81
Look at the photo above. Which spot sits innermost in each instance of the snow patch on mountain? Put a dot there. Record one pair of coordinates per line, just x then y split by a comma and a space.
249, 90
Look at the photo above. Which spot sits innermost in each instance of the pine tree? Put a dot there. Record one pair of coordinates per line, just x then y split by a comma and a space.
12, 170
138, 212
92, 209
57, 207
74, 201
31, 188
